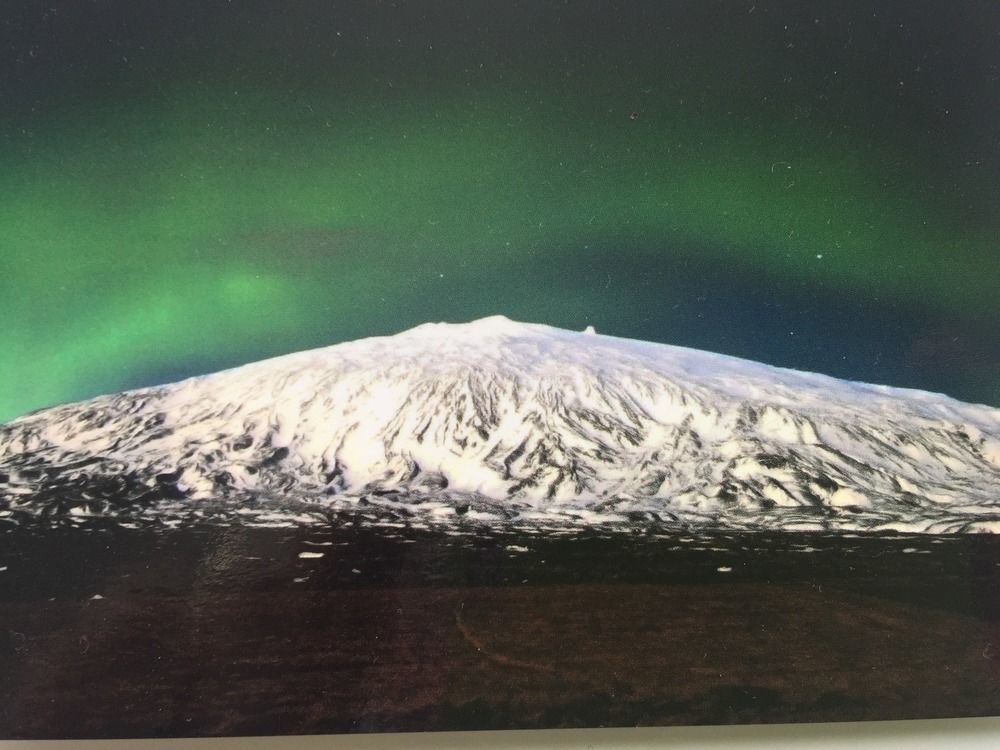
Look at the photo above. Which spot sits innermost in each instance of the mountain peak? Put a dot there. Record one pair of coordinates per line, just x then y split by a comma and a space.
496, 325
493, 325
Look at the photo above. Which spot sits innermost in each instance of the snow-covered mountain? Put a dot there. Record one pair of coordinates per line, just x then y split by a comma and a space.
502, 422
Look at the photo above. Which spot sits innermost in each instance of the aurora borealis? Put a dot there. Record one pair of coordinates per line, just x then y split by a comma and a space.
194, 185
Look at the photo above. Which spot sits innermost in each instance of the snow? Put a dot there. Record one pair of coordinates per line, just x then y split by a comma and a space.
495, 421
846, 496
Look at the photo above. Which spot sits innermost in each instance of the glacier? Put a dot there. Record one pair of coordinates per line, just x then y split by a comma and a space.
497, 422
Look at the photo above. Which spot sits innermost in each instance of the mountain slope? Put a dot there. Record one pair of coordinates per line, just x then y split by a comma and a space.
501, 421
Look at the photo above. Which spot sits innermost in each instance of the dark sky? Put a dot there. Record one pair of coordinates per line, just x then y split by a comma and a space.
192, 185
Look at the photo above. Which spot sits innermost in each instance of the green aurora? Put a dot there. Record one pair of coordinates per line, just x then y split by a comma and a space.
235, 212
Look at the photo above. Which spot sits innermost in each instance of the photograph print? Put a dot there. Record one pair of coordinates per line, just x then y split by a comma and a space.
409, 366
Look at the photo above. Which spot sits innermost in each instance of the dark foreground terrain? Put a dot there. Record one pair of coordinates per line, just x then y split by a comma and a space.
238, 630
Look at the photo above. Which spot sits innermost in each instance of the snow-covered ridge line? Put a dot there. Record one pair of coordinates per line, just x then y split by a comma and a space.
510, 422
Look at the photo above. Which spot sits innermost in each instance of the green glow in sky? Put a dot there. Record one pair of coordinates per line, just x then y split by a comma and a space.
213, 225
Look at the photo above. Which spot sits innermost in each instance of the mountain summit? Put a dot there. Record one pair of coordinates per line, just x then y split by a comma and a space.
496, 421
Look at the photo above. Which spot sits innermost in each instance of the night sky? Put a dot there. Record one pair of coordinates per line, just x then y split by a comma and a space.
195, 184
